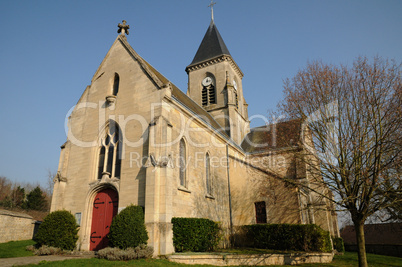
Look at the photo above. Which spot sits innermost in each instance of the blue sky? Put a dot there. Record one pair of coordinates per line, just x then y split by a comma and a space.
49, 51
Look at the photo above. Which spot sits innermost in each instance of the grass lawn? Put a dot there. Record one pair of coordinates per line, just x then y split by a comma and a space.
346, 260
15, 249
99, 262
350, 259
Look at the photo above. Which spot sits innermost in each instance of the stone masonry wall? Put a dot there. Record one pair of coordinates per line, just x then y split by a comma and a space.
15, 226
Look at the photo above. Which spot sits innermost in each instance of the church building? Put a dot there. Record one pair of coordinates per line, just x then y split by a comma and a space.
135, 138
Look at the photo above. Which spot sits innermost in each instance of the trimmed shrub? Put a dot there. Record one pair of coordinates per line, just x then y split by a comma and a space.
295, 237
338, 244
30, 248
195, 234
46, 250
116, 254
59, 230
128, 228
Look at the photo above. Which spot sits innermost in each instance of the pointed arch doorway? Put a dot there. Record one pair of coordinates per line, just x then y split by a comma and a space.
104, 208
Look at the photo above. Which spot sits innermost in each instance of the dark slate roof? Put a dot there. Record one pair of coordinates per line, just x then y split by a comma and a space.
211, 46
386, 234
273, 136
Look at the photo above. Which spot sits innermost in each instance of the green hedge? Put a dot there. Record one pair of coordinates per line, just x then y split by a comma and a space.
195, 234
128, 228
338, 244
306, 237
59, 230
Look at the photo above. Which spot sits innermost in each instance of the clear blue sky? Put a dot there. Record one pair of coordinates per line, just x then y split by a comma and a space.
50, 50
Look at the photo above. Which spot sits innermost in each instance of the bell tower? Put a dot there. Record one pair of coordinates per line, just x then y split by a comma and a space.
215, 83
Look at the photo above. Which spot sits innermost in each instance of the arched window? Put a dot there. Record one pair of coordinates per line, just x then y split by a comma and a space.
116, 84
182, 164
110, 152
208, 174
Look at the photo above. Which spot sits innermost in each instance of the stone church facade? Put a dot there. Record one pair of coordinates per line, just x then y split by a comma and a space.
135, 138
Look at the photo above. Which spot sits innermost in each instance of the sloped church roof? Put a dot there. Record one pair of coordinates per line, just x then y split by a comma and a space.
212, 45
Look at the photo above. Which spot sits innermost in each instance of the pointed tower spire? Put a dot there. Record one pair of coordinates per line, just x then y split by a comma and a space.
215, 84
211, 46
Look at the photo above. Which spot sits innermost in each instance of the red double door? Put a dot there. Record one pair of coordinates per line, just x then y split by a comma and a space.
104, 209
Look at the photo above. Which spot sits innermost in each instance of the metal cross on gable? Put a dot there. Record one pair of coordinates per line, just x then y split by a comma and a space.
123, 28
211, 5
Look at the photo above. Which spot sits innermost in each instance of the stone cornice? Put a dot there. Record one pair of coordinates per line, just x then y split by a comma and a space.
213, 61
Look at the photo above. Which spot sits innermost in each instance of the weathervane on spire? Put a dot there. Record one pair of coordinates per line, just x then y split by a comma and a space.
211, 5
123, 28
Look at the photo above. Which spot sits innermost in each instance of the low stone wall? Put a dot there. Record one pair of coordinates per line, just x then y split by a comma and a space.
15, 226
252, 260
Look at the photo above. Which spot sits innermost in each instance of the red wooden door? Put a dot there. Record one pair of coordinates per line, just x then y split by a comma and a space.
104, 209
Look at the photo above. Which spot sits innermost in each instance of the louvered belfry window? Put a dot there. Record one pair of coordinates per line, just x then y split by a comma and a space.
204, 96
208, 95
109, 154
211, 95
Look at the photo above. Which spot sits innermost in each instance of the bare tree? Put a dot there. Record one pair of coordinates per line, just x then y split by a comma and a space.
50, 183
352, 135
5, 188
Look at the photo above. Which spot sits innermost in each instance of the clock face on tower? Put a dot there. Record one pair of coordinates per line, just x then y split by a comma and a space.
207, 81
234, 84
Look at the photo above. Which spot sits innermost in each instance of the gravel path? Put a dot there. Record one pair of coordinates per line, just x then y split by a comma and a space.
36, 259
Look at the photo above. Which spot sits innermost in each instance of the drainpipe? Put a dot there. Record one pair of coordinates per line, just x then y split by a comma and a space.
230, 197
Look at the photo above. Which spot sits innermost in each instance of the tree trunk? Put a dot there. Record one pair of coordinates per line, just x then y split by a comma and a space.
361, 243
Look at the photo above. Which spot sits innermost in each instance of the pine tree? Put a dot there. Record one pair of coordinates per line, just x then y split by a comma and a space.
36, 200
